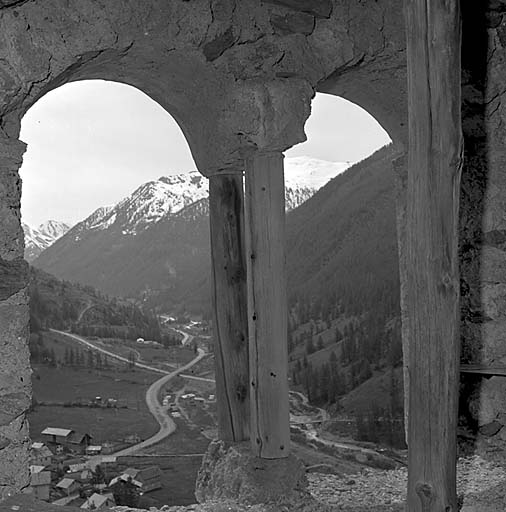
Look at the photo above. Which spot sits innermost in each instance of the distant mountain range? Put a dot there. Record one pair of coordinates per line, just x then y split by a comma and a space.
155, 242
40, 238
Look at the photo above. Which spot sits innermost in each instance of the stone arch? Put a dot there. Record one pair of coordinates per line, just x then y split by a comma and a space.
248, 69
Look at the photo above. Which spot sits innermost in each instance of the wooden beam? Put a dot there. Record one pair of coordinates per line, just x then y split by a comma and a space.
477, 369
267, 305
434, 169
226, 213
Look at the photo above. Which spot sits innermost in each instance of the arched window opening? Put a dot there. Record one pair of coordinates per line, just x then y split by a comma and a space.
109, 186
344, 334
130, 297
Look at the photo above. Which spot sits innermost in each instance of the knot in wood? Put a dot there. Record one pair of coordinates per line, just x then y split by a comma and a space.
426, 495
241, 392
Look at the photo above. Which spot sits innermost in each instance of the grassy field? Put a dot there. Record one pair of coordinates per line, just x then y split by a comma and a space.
63, 384
60, 385
101, 424
175, 355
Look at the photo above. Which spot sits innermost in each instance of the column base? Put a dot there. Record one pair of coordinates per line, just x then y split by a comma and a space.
232, 472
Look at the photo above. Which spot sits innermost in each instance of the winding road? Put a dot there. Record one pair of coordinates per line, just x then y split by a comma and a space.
167, 425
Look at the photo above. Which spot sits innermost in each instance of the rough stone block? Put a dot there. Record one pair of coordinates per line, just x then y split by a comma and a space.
493, 298
232, 472
488, 399
13, 405
296, 23
11, 150
14, 474
319, 8
13, 277
491, 429
217, 46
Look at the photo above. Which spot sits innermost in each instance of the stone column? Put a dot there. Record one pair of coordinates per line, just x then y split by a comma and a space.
15, 384
226, 213
267, 305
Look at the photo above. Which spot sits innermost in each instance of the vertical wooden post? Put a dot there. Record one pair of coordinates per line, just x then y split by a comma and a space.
226, 213
401, 184
267, 305
434, 167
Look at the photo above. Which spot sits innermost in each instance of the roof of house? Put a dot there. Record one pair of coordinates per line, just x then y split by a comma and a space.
84, 474
95, 501
35, 468
40, 478
66, 500
43, 451
65, 483
144, 473
54, 431
131, 472
94, 448
77, 466
78, 437
37, 446
125, 478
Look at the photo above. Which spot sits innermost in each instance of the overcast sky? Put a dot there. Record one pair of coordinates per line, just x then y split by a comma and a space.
91, 143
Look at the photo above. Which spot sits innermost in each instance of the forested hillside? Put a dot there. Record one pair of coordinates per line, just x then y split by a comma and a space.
63, 305
344, 287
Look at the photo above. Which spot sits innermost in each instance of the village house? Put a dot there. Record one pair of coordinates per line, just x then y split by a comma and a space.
56, 436
146, 479
99, 501
72, 465
68, 438
40, 455
69, 486
40, 482
83, 475
78, 442
93, 450
66, 500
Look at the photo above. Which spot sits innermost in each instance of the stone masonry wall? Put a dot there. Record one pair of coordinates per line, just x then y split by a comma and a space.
483, 221
15, 384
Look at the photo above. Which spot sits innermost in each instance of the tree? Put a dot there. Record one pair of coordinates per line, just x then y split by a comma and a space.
126, 493
90, 359
98, 475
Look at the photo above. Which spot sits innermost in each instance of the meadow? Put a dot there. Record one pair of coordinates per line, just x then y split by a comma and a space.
58, 387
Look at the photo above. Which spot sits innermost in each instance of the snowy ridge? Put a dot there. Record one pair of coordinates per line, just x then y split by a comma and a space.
304, 172
40, 238
169, 195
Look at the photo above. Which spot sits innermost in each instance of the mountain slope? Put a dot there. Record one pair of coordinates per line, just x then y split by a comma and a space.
155, 242
61, 304
344, 237
40, 238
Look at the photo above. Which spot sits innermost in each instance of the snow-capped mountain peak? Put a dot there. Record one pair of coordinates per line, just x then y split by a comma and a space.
39, 238
149, 203
162, 198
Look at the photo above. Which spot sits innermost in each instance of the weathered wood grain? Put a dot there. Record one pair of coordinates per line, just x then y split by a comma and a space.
226, 212
267, 305
434, 169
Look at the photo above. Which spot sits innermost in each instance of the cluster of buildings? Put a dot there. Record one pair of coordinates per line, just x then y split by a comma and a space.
64, 471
